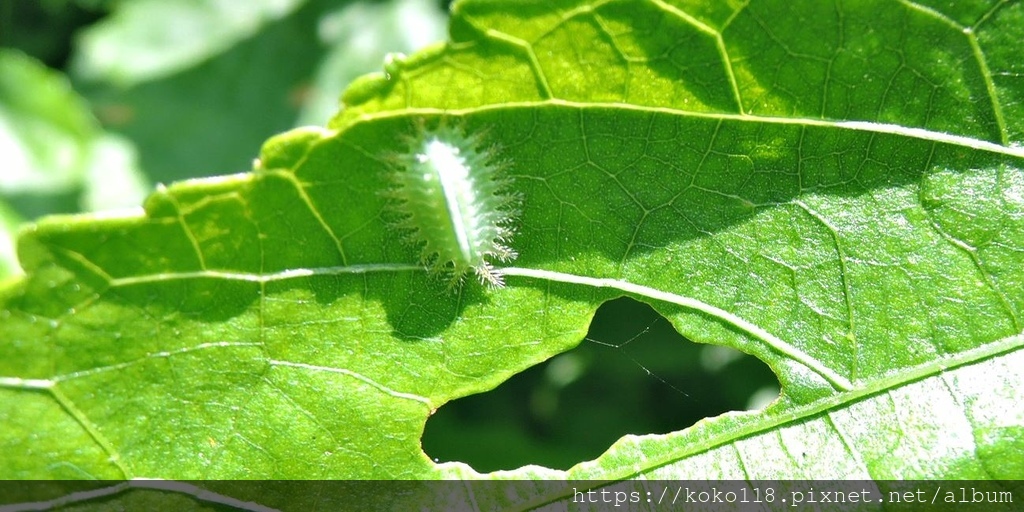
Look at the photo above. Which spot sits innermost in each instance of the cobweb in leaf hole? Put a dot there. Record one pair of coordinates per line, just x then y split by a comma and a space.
633, 374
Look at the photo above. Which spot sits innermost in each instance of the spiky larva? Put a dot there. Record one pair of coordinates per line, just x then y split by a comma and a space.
453, 203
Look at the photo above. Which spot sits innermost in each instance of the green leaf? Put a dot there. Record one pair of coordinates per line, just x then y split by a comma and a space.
836, 189
45, 128
209, 116
147, 39
55, 157
360, 36
113, 178
9, 222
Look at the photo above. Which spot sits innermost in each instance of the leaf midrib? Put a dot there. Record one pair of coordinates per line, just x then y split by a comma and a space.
852, 125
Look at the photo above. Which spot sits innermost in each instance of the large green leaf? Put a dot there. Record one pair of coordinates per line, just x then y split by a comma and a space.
835, 189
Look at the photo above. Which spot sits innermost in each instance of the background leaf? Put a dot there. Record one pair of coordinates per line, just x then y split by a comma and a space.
210, 102
56, 157
190, 32
835, 189
8, 226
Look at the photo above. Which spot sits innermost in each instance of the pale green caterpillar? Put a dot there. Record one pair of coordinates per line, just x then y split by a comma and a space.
453, 203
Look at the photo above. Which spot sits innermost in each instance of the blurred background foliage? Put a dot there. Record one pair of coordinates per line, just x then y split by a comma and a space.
100, 100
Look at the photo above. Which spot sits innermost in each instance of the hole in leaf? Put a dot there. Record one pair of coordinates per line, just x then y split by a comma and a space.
634, 374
